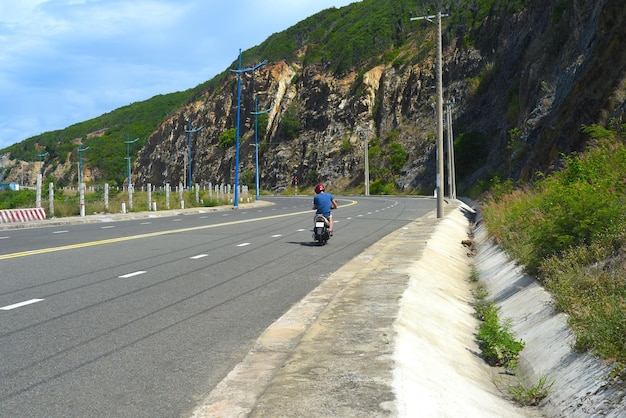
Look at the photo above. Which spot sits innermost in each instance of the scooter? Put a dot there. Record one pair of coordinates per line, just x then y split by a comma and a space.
321, 232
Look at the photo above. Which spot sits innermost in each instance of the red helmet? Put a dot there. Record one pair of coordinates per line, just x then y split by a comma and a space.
319, 188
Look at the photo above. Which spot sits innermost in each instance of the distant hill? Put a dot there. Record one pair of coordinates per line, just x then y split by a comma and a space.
104, 135
524, 76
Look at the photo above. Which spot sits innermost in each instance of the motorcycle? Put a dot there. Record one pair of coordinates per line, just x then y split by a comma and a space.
321, 232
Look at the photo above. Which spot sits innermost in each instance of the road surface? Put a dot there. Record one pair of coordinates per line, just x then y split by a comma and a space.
143, 318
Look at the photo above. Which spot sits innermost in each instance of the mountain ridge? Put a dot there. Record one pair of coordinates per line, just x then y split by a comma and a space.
524, 76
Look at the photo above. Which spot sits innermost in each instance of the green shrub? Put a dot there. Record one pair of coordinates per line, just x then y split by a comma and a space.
312, 178
481, 302
496, 340
569, 229
14, 199
573, 207
396, 156
531, 394
228, 138
346, 146
290, 124
381, 187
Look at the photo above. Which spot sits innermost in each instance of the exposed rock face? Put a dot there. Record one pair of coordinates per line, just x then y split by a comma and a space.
333, 123
542, 73
25, 173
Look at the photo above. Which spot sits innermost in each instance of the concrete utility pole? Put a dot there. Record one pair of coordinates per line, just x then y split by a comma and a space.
128, 142
367, 167
366, 171
256, 114
440, 157
189, 131
81, 189
240, 70
80, 165
451, 165
3, 157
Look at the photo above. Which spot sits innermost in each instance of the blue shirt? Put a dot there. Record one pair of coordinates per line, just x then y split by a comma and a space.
323, 203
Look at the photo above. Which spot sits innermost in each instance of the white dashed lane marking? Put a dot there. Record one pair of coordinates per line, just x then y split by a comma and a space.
136, 273
196, 257
20, 304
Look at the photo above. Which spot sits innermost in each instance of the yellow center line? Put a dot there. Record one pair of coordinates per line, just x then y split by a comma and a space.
148, 235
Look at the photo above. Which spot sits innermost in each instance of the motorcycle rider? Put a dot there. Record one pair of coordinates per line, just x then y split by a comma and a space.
323, 203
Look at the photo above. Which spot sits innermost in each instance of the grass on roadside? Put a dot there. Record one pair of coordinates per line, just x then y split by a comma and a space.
67, 202
530, 394
569, 230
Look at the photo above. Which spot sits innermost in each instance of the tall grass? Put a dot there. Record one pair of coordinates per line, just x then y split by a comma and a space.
569, 230
67, 202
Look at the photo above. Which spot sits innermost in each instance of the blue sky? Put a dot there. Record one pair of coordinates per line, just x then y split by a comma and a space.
67, 61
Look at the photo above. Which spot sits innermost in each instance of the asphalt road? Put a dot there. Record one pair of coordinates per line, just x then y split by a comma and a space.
143, 318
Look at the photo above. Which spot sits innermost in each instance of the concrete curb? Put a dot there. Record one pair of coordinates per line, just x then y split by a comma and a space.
439, 371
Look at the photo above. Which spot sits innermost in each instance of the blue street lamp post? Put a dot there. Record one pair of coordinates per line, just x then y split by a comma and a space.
240, 70
128, 158
40, 163
189, 131
256, 114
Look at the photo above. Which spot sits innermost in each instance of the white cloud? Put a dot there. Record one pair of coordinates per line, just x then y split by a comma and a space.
66, 61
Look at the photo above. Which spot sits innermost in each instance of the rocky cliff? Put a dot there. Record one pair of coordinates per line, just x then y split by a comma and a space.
522, 86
